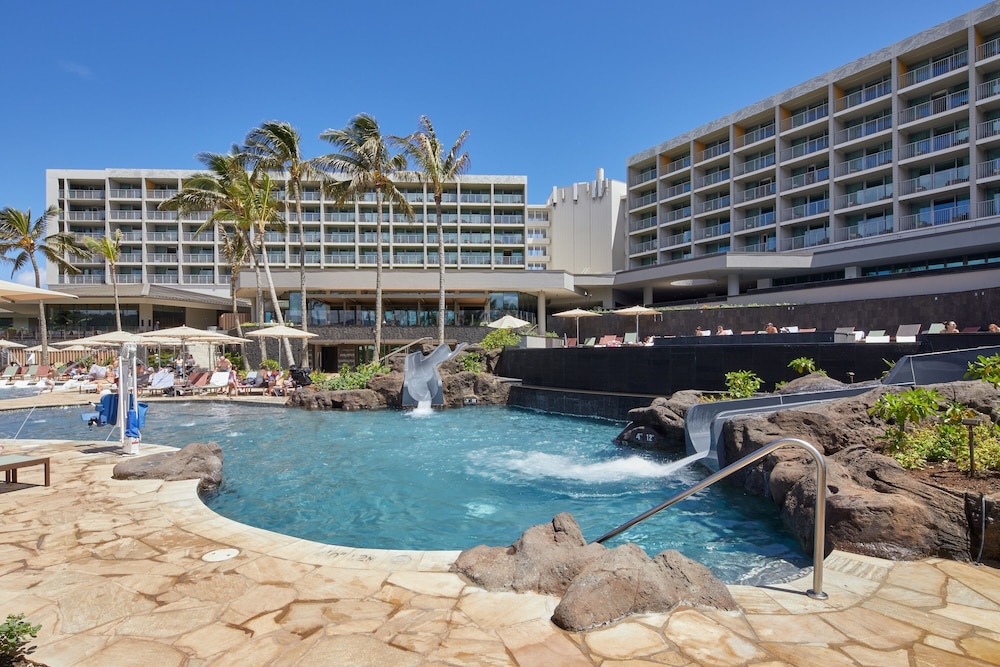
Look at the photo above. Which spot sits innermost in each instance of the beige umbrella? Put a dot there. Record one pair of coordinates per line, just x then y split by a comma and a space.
4, 344
280, 331
15, 292
508, 322
576, 314
638, 311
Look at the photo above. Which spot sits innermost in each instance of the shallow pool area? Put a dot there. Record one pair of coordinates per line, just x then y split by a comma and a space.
449, 480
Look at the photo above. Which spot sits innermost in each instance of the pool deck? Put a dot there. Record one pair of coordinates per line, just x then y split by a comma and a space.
116, 573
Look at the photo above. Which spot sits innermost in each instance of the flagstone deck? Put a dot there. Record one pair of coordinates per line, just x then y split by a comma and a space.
122, 573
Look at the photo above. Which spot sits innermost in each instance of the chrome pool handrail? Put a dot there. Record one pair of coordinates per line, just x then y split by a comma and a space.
819, 523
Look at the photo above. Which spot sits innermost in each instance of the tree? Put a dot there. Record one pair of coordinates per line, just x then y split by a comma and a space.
275, 145
239, 198
24, 237
436, 168
237, 253
366, 163
110, 248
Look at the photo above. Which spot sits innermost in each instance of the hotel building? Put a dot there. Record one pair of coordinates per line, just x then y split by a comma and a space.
880, 178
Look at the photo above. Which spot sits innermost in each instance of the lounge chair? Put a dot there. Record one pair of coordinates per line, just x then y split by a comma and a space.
807, 330
217, 382
937, 327
610, 341
570, 342
631, 338
160, 380
970, 329
195, 380
877, 336
41, 372
907, 333
590, 342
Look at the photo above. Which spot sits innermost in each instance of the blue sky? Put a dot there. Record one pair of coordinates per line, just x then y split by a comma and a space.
550, 90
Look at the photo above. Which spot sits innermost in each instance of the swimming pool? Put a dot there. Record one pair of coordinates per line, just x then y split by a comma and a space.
450, 480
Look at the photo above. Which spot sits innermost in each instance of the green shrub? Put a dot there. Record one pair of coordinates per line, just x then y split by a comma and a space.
805, 365
348, 379
908, 407
500, 338
986, 369
742, 384
472, 362
14, 638
270, 364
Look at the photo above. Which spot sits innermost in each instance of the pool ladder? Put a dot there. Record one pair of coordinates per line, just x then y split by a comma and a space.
819, 524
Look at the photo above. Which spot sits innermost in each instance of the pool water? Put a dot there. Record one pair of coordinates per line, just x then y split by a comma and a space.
450, 480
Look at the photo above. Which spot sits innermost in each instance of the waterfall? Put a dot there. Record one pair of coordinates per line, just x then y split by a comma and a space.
423, 408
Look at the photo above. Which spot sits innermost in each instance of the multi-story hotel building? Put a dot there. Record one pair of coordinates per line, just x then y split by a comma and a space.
886, 167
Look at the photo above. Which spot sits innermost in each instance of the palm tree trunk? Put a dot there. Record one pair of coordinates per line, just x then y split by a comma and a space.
378, 275
440, 233
274, 301
259, 305
43, 329
236, 318
118, 308
302, 276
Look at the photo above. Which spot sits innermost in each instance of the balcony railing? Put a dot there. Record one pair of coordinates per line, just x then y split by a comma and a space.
200, 258
808, 178
713, 178
759, 162
508, 239
161, 236
644, 176
865, 229
805, 148
408, 258
339, 237
196, 215
199, 279
988, 89
810, 239
759, 134
866, 94
677, 214
806, 210
714, 230
475, 198
678, 189
934, 69
130, 257
930, 218
938, 179
864, 163
160, 194
474, 259
805, 117
988, 49
125, 193
131, 236
163, 278
678, 239
117, 214
933, 144
646, 246
161, 257
482, 238
761, 246
712, 204
750, 194
161, 215
514, 198
86, 279
508, 219
933, 107
865, 129
86, 194
865, 196
475, 218
755, 221
129, 278
677, 165
86, 215
988, 169
339, 258
714, 151
988, 208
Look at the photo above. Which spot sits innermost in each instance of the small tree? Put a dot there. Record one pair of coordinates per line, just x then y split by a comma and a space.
14, 638
805, 365
742, 384
908, 407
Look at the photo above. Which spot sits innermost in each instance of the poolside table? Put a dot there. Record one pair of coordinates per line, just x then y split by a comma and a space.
10, 464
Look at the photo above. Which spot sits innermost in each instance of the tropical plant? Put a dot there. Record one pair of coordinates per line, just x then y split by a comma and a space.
436, 168
742, 384
348, 379
365, 163
901, 409
805, 365
500, 338
15, 635
276, 145
472, 362
110, 248
24, 238
986, 369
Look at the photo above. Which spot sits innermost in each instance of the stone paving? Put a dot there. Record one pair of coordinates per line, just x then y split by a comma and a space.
142, 573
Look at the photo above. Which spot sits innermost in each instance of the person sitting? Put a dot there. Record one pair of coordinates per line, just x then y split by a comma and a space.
950, 327
233, 382
771, 328
993, 328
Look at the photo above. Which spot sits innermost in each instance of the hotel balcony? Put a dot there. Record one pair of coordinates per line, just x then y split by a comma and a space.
811, 239
988, 208
807, 210
987, 50
161, 215
339, 258
198, 259
756, 164
761, 246
640, 248
676, 190
866, 129
86, 215
809, 178
129, 278
933, 108
987, 90
84, 279
713, 231
677, 214
161, 236
130, 258
864, 197
988, 170
201, 279
339, 237
637, 225
160, 194
754, 136
677, 165
939, 179
677, 239
645, 200
803, 118
712, 179
756, 221
131, 236
866, 229
196, 215
941, 142
714, 151
863, 96
712, 205
117, 214
759, 192
85, 194
865, 163
125, 193
931, 218
933, 70
644, 176
806, 148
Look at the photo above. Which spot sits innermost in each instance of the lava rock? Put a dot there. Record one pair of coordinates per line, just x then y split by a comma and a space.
201, 461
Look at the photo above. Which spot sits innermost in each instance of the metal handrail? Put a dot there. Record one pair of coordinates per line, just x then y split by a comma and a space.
819, 525
405, 347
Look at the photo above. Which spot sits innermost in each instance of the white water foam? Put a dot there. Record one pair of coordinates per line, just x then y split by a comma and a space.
423, 409
480, 509
537, 464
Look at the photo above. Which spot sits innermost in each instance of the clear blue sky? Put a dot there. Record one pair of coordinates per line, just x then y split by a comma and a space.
551, 90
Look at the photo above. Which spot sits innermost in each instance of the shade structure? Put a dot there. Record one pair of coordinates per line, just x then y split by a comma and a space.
16, 293
280, 331
638, 311
576, 314
4, 344
105, 339
508, 322
183, 332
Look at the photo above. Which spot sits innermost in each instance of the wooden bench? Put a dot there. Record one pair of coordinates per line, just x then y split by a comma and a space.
10, 464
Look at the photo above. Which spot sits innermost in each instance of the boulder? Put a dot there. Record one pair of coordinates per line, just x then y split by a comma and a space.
342, 399
465, 387
810, 382
545, 559
201, 461
625, 581
661, 424
389, 387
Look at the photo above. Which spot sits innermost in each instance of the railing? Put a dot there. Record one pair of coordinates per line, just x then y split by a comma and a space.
196, 215
933, 107
340, 216
408, 258
677, 165
408, 238
475, 198
508, 239
759, 134
161, 236
161, 215
934, 69
163, 278
130, 236
644, 200
756, 163
865, 129
806, 210
988, 89
805, 148
514, 198
713, 178
339, 258
678, 189
130, 257
206, 236
988, 208
805, 117
865, 196
988, 49
677, 214
475, 218
865, 229
762, 246
988, 169
643, 176
129, 278
165, 257
308, 237
808, 178
646, 246
125, 193
199, 258
929, 218
864, 163
755, 221
714, 151
86, 215
118, 214
87, 279
199, 279
938, 179
712, 204
160, 194
508, 219
987, 129
810, 239
750, 194
866, 94
934, 144
86, 194
677, 239
819, 506
714, 230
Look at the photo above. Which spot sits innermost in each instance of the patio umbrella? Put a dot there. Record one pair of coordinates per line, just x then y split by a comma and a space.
4, 344
508, 322
15, 292
576, 314
280, 331
183, 334
638, 311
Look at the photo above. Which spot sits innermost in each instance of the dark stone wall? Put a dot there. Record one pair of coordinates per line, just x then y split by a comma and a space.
604, 406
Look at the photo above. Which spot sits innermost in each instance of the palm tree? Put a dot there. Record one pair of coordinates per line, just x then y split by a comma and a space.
276, 145
237, 253
365, 163
436, 168
110, 248
24, 237
238, 198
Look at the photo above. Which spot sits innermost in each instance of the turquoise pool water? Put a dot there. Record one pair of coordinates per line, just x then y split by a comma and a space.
450, 480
